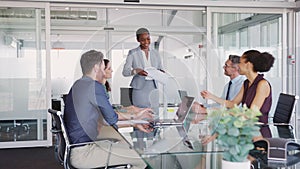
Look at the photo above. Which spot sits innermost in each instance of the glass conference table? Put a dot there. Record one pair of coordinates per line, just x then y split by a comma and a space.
176, 147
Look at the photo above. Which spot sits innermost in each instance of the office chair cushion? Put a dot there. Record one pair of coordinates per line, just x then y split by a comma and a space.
275, 150
284, 108
285, 131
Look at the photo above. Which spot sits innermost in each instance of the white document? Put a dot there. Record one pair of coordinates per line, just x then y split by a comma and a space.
129, 122
157, 75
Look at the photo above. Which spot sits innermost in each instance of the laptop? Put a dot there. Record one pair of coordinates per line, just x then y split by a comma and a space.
182, 93
182, 114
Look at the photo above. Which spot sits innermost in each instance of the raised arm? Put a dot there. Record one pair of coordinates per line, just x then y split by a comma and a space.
237, 100
143, 113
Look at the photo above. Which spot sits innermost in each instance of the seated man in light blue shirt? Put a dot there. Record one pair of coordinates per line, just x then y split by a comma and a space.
231, 70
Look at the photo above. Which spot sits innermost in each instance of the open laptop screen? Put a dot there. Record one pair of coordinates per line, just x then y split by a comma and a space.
182, 93
184, 108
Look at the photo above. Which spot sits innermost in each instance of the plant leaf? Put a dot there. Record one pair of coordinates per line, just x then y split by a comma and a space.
236, 128
233, 132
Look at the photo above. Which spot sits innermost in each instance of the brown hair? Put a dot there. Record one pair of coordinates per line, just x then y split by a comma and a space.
107, 85
262, 62
89, 59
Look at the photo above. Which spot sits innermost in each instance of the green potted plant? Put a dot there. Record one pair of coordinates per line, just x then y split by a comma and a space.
235, 128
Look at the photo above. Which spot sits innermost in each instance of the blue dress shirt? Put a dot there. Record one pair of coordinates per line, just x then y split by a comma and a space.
86, 104
235, 87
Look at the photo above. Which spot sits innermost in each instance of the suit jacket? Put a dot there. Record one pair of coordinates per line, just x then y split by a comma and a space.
135, 60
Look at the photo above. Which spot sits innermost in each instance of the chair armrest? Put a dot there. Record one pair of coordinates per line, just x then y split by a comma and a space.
54, 131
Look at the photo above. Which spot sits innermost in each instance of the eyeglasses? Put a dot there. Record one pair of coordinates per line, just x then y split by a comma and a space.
227, 66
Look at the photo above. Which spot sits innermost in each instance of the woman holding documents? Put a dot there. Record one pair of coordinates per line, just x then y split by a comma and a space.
144, 93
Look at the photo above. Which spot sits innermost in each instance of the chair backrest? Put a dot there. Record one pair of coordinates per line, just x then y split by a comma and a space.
62, 141
285, 107
63, 146
126, 96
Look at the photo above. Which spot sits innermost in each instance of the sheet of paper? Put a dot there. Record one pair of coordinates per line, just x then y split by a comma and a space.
129, 122
157, 75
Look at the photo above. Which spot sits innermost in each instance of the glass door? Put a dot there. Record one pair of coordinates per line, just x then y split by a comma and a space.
24, 89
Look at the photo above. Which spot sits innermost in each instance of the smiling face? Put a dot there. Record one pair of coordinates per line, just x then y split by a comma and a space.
108, 71
144, 40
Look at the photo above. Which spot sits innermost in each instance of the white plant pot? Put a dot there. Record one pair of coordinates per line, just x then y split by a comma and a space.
235, 165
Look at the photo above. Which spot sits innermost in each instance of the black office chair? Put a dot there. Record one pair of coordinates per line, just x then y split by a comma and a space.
126, 96
283, 113
285, 131
285, 107
63, 146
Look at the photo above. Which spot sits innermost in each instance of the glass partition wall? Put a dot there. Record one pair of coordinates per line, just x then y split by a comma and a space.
23, 77
193, 43
234, 31
178, 35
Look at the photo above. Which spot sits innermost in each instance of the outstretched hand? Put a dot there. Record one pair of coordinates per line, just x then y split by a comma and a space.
198, 108
133, 109
208, 139
144, 127
198, 118
206, 94
145, 113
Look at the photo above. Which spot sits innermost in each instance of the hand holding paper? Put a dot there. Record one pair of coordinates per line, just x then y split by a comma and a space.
157, 75
141, 72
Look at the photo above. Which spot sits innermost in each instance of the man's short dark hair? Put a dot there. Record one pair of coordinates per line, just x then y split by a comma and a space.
235, 59
89, 60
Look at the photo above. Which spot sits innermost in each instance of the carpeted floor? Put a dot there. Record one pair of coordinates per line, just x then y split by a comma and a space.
28, 158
